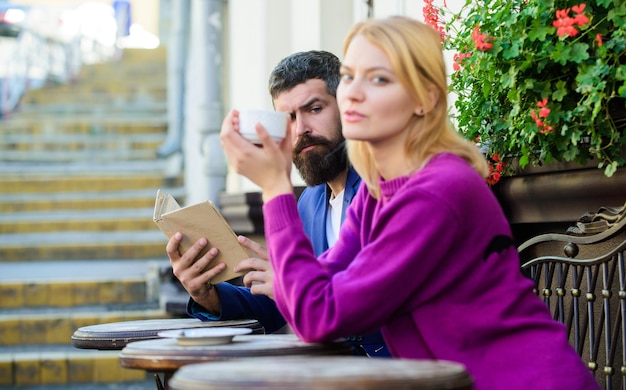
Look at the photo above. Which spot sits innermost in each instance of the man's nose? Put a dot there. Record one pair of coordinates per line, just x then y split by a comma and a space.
300, 127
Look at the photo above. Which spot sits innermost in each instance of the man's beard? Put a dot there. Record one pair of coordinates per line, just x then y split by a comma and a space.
321, 164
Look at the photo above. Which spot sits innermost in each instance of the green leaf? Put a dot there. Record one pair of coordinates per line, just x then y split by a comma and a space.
523, 161
511, 52
578, 52
560, 54
540, 33
560, 92
610, 169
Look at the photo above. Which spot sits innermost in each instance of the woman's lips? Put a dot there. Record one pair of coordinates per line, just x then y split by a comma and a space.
353, 116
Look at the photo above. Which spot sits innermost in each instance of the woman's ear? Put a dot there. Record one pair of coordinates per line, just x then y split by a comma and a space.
433, 99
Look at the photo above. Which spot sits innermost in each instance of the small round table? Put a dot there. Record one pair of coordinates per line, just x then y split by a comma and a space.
328, 372
116, 335
167, 355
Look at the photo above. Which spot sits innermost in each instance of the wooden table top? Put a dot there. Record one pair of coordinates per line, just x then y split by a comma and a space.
322, 372
164, 355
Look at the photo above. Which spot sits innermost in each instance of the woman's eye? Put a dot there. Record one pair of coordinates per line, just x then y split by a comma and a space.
379, 80
346, 77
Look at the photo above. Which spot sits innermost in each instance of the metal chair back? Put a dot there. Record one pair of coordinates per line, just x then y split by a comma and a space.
580, 275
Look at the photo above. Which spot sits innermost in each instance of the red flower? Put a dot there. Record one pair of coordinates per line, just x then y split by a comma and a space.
481, 39
562, 13
564, 27
543, 113
431, 17
458, 60
565, 24
599, 39
496, 167
538, 121
544, 110
581, 20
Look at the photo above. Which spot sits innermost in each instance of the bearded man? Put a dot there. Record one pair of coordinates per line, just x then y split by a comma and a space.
303, 85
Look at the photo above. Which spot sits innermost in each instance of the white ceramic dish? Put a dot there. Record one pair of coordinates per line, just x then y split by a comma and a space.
204, 336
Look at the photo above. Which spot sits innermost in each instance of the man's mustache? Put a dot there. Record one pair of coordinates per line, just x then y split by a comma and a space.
307, 141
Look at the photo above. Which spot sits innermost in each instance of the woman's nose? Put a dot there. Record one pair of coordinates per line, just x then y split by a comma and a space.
352, 90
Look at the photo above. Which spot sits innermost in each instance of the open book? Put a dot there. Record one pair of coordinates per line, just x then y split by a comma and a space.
196, 221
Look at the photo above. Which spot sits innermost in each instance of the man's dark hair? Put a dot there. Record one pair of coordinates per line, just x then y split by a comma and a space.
300, 67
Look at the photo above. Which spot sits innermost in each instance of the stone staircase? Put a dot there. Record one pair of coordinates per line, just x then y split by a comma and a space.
78, 179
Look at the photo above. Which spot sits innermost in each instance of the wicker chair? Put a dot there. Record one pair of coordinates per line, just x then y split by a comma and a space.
581, 276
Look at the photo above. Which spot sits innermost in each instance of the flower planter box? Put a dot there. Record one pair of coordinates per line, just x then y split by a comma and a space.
551, 198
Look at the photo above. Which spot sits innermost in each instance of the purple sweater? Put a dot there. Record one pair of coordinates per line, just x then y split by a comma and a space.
432, 264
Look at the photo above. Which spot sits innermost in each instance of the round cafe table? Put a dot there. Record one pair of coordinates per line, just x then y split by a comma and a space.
116, 335
167, 355
328, 372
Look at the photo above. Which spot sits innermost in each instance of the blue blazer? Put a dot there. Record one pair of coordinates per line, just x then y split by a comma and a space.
313, 203
239, 303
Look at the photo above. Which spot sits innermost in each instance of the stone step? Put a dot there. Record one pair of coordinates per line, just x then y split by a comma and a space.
16, 184
80, 141
80, 155
33, 202
96, 98
153, 88
68, 368
144, 56
57, 327
125, 68
23, 296
127, 77
129, 71
77, 220
73, 245
108, 107
105, 148
86, 124
80, 147
36, 169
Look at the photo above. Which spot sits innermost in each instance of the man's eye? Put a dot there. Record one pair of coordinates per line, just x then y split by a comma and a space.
316, 109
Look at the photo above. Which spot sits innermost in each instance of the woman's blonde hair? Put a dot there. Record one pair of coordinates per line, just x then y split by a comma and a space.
415, 52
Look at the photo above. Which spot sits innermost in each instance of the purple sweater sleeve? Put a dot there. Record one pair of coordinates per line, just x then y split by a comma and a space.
322, 300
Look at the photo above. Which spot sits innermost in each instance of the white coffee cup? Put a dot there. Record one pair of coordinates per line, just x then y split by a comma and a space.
274, 122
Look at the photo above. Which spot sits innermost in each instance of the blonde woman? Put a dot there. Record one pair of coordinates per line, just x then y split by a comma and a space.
426, 252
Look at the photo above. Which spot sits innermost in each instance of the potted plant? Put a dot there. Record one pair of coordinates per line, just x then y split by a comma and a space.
539, 81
